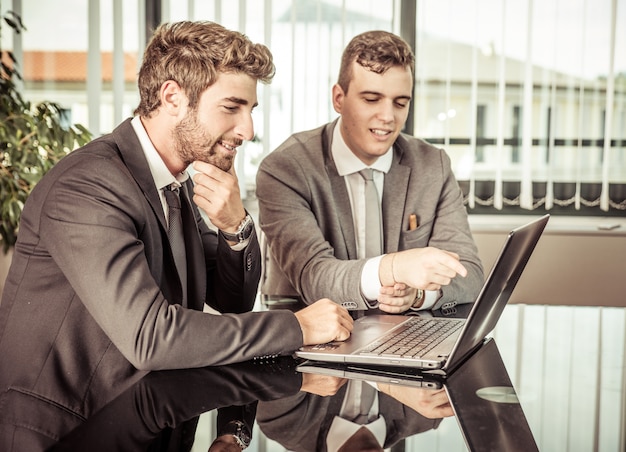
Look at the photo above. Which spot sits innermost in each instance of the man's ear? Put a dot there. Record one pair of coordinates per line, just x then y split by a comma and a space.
338, 96
172, 97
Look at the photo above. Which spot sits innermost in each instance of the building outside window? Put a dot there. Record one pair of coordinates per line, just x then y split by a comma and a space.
528, 98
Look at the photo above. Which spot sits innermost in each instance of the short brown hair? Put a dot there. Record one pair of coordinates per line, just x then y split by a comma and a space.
376, 51
192, 54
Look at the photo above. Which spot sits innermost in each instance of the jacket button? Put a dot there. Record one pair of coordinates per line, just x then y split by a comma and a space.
248, 262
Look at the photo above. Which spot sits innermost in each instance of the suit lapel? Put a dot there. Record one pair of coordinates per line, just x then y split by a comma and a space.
343, 210
339, 196
394, 199
135, 160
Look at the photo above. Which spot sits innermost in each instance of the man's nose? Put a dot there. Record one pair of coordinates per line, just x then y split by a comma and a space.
245, 128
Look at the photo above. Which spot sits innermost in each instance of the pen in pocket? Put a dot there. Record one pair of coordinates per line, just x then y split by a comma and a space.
412, 222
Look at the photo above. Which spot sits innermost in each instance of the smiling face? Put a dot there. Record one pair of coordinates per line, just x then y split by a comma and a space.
373, 110
222, 121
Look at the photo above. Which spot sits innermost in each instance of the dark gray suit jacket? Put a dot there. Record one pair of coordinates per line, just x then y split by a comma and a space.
161, 411
90, 301
305, 214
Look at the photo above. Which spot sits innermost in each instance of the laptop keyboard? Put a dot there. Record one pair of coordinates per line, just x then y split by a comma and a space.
413, 339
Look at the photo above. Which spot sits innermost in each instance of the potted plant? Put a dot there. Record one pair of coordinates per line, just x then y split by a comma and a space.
32, 139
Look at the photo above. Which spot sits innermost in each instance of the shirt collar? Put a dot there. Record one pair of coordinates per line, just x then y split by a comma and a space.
341, 430
160, 174
348, 163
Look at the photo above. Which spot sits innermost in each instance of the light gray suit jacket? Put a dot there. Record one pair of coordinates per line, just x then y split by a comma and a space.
306, 216
301, 422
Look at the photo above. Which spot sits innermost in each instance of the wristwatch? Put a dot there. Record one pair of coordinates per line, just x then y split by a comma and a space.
419, 298
239, 431
242, 233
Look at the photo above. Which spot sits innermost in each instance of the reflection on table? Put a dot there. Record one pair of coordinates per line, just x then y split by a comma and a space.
478, 394
304, 408
565, 365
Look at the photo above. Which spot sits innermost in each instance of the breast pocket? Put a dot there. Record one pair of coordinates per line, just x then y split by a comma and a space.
417, 238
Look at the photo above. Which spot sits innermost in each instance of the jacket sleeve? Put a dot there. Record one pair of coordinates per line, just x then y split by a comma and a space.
448, 229
103, 236
299, 215
232, 275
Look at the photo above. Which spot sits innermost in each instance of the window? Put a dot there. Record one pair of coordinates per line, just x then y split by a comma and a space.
528, 98
548, 84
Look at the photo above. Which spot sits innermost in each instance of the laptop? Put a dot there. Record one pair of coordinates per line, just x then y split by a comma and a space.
404, 376
480, 393
460, 336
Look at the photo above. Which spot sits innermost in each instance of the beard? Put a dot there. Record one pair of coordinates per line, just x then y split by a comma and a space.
192, 142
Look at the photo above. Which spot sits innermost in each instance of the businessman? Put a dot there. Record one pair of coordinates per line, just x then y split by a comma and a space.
397, 239
358, 416
109, 280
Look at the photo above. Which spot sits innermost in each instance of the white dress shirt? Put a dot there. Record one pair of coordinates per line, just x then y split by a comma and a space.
343, 427
160, 174
348, 165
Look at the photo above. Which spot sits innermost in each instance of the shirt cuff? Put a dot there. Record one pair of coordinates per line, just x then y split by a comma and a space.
240, 246
370, 281
430, 298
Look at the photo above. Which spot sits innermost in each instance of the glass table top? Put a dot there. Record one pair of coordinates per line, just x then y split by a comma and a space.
548, 378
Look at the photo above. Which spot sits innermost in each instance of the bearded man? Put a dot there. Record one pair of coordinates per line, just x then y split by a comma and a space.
114, 263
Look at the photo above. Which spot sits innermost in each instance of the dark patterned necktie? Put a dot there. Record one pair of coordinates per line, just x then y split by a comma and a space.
176, 236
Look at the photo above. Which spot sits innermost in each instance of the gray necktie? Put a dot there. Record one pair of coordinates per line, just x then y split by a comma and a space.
176, 236
373, 222
359, 398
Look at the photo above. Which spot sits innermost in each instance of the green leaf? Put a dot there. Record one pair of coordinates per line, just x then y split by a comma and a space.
32, 140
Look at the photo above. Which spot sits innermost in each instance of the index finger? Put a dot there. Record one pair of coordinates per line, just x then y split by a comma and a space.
451, 260
347, 321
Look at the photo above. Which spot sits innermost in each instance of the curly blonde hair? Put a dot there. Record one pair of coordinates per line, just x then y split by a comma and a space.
193, 54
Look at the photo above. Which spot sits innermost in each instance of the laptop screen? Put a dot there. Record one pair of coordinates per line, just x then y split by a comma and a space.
498, 288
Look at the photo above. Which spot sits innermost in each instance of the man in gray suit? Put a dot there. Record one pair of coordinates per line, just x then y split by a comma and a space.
94, 298
311, 198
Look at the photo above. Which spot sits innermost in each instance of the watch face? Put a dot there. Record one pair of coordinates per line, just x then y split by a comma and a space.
242, 233
245, 436
241, 433
245, 229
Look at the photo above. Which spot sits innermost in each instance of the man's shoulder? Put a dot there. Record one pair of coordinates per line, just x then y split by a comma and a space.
303, 140
95, 153
416, 150
301, 147
99, 159
107, 144
415, 144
